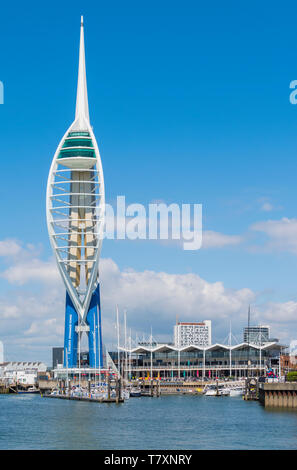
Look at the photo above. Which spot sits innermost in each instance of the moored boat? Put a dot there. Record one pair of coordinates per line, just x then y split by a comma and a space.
223, 391
236, 392
29, 390
216, 391
210, 391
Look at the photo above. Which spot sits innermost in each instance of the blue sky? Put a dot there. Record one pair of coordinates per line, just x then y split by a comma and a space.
189, 103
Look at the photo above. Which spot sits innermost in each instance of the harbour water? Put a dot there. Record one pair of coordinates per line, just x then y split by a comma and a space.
168, 422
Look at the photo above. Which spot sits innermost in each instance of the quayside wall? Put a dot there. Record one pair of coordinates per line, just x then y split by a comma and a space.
281, 395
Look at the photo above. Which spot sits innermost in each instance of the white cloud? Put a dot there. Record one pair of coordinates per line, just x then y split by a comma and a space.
23, 271
211, 239
49, 327
9, 248
32, 311
30, 316
9, 311
281, 316
185, 294
156, 298
282, 234
285, 312
267, 207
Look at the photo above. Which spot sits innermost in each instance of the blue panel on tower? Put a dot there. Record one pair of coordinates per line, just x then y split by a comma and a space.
70, 336
95, 333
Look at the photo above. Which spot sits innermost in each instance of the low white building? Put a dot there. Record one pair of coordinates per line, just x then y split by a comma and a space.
192, 334
21, 372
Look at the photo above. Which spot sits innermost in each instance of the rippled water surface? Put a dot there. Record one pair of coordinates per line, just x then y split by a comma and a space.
172, 422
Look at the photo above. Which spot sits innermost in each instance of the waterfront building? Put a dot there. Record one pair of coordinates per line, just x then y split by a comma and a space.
21, 372
85, 372
256, 334
288, 363
217, 360
75, 220
192, 333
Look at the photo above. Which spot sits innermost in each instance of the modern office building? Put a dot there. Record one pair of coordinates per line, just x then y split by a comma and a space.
256, 334
192, 333
58, 357
75, 219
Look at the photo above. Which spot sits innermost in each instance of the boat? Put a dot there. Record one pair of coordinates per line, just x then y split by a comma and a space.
135, 392
216, 391
210, 391
236, 391
29, 390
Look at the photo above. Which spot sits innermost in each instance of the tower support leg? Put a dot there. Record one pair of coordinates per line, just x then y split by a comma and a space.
70, 335
95, 333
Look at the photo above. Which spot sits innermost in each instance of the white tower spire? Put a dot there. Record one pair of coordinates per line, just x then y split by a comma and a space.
82, 106
75, 201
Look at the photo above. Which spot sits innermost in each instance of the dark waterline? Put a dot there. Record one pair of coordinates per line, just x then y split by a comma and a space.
172, 422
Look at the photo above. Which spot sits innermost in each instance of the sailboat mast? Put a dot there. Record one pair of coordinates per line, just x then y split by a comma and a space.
249, 315
230, 352
118, 339
125, 332
99, 346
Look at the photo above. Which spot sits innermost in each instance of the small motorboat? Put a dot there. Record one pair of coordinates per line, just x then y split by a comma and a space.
223, 391
29, 390
216, 391
135, 392
236, 392
210, 391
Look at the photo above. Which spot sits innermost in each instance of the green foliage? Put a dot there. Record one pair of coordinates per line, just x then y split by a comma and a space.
292, 376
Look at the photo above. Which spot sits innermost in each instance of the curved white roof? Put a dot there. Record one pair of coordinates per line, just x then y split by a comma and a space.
193, 347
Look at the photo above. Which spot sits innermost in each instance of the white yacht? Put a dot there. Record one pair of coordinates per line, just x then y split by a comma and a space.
210, 391
216, 391
236, 391
135, 392
32, 389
